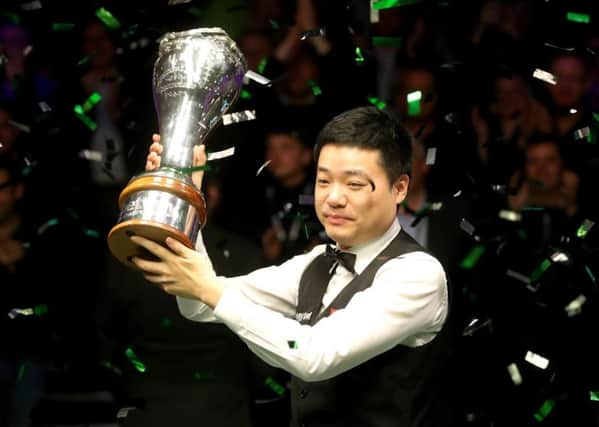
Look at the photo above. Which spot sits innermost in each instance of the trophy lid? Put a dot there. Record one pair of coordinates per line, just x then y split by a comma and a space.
196, 32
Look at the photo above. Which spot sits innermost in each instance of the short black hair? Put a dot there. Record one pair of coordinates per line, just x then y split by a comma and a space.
371, 129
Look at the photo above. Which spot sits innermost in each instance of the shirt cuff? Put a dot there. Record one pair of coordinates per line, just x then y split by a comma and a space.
230, 309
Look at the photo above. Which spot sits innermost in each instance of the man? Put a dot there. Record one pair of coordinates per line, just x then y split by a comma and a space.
365, 343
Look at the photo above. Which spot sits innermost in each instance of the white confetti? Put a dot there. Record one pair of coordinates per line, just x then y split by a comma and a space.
261, 168
20, 126
518, 276
172, 2
467, 226
20, 311
582, 133
431, 155
27, 50
559, 257
545, 76
258, 78
92, 155
510, 215
123, 412
44, 106
536, 360
32, 5
374, 13
575, 306
573, 111
514, 373
241, 116
220, 154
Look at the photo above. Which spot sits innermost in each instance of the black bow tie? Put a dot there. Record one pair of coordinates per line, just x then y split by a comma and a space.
346, 259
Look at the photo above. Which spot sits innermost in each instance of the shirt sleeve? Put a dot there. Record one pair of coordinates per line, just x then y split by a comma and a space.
273, 287
407, 303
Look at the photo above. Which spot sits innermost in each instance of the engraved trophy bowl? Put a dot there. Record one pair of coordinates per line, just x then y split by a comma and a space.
197, 75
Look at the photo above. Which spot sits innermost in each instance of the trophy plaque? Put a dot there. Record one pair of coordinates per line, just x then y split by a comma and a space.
197, 75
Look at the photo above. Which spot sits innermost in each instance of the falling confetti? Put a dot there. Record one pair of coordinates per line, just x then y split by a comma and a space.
242, 116
107, 18
545, 76
315, 32
261, 168
536, 360
220, 154
581, 18
260, 79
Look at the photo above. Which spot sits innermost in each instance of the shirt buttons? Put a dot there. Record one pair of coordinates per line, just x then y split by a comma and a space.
303, 394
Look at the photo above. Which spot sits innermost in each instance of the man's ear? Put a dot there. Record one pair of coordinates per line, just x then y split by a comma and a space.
400, 187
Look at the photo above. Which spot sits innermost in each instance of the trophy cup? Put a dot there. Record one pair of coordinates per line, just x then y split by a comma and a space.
197, 75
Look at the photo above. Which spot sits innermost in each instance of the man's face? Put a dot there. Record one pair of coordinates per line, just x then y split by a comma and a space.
288, 157
353, 197
572, 82
544, 165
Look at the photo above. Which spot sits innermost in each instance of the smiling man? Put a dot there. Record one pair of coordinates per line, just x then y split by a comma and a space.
361, 326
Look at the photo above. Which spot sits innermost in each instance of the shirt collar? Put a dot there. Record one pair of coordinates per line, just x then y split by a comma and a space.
367, 251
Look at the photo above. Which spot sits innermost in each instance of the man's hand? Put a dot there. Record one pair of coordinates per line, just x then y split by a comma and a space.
181, 271
199, 159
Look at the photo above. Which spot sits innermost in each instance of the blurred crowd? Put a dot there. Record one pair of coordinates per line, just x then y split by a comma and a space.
501, 96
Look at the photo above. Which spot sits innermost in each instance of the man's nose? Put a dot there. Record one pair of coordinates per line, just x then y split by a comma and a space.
336, 196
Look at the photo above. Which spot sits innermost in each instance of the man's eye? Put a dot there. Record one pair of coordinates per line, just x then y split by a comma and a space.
356, 185
322, 181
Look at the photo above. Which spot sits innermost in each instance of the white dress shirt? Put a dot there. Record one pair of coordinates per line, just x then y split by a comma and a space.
406, 304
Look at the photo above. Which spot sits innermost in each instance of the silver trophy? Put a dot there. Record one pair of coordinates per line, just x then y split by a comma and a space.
197, 76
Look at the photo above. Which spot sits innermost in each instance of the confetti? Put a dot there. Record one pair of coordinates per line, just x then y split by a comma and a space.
316, 91
476, 325
91, 101
173, 2
374, 13
91, 233
414, 99
538, 272
27, 50
473, 257
110, 366
431, 154
13, 313
242, 116
536, 360
45, 226
377, 102
292, 344
63, 26
315, 32
276, 387
584, 228
510, 215
40, 309
245, 94
387, 4
514, 373
594, 396
274, 24
573, 111
386, 41
123, 412
78, 109
32, 5
559, 257
518, 276
583, 133
359, 57
261, 168
44, 106
262, 65
575, 306
251, 75
220, 154
19, 126
590, 273
137, 364
467, 226
544, 410
554, 46
107, 18
95, 156
545, 76
581, 18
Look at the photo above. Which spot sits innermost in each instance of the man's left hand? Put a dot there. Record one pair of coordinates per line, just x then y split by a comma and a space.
181, 271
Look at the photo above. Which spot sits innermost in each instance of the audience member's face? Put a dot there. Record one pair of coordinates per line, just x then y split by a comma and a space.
572, 82
299, 73
97, 42
255, 47
544, 165
9, 195
351, 211
8, 133
288, 157
511, 97
411, 81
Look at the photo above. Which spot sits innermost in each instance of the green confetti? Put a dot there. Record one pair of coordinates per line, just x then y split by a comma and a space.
584, 228
12, 17
359, 56
538, 272
414, 99
93, 99
387, 4
107, 18
582, 18
386, 41
262, 65
377, 102
86, 120
113, 368
245, 94
596, 117
473, 257
40, 309
91, 233
63, 26
85, 59
275, 386
137, 364
50, 223
274, 24
544, 410
533, 208
292, 344
594, 396
166, 323
22, 369
315, 88
590, 273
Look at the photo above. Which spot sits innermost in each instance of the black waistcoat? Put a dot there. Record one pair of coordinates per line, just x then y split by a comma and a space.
398, 388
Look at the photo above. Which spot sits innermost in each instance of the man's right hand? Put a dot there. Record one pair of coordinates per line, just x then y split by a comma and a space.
199, 159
